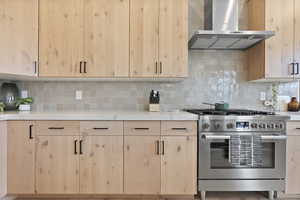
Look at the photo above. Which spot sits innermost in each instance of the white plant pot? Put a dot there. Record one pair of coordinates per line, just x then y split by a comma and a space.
25, 107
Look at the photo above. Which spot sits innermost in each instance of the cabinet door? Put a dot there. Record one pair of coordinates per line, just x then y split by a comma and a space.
179, 165
280, 48
297, 34
173, 38
106, 38
20, 158
61, 37
141, 165
101, 165
57, 165
19, 36
293, 165
144, 17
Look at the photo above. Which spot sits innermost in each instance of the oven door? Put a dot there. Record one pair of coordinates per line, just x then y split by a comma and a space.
215, 158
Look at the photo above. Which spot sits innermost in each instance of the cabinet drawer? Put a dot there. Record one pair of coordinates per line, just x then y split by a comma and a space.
101, 128
293, 128
57, 128
142, 127
179, 128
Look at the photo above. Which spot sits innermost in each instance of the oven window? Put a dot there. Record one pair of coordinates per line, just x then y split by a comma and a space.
220, 157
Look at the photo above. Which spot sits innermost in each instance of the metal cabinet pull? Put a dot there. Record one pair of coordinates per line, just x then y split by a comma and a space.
298, 128
297, 68
179, 129
157, 147
80, 147
163, 147
80, 67
160, 67
30, 132
84, 67
141, 129
156, 67
35, 67
100, 128
56, 128
75, 147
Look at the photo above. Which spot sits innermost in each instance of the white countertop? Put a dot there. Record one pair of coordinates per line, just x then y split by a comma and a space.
294, 116
99, 115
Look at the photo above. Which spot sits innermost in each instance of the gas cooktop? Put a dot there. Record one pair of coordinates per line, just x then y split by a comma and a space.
237, 112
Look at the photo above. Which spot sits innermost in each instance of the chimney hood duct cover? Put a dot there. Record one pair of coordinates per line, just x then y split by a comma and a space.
221, 29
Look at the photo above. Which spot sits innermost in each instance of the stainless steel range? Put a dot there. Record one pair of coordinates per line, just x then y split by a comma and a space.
241, 150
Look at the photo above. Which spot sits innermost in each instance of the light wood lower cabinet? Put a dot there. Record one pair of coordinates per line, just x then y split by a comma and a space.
97, 158
101, 165
57, 165
293, 158
20, 157
293, 165
178, 165
141, 165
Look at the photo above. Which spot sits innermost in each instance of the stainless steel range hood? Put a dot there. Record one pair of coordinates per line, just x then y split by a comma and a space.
221, 29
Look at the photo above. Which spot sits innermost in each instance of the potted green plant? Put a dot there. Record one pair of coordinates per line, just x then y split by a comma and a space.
2, 106
24, 104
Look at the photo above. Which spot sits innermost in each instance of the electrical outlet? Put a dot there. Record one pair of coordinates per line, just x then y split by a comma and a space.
263, 96
78, 95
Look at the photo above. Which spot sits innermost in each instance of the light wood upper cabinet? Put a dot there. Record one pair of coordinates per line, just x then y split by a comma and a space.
60, 38
20, 157
57, 165
173, 38
19, 37
101, 165
178, 165
293, 165
106, 38
144, 27
297, 33
158, 38
274, 57
141, 165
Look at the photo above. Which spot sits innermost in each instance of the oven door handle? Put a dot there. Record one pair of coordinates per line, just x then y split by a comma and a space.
215, 137
273, 137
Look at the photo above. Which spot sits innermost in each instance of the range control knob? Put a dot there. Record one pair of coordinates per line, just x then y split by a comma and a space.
230, 126
262, 125
254, 125
270, 126
205, 126
217, 126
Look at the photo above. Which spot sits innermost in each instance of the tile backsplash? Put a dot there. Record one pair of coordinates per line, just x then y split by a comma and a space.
213, 76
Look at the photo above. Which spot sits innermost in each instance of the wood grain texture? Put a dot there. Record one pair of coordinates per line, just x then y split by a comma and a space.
293, 165
3, 159
179, 128
142, 128
144, 25
60, 38
297, 33
106, 38
101, 165
57, 128
57, 167
293, 128
173, 38
179, 165
101, 128
19, 36
280, 48
20, 158
273, 57
141, 165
